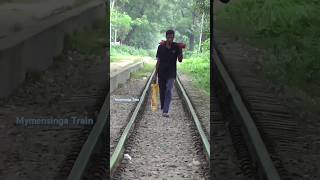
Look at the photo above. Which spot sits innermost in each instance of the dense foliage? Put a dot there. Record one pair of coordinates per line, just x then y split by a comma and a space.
142, 23
198, 66
290, 29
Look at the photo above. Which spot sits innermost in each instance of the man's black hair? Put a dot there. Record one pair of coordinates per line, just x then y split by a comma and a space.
170, 32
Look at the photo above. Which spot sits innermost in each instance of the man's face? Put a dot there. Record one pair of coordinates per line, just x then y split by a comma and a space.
170, 37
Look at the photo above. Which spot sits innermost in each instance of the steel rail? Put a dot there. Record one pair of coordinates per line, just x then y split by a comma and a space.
258, 148
194, 117
95, 137
118, 152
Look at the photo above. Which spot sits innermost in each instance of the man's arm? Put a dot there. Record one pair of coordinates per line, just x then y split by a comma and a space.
157, 65
156, 73
158, 62
180, 55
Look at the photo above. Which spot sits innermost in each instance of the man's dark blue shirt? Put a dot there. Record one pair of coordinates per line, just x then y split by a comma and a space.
168, 60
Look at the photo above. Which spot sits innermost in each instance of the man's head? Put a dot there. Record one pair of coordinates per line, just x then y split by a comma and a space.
170, 35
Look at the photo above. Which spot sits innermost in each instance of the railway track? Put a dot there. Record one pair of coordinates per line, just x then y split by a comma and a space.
242, 142
184, 147
171, 148
261, 128
254, 158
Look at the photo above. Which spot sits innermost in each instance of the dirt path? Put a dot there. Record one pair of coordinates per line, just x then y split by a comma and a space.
120, 65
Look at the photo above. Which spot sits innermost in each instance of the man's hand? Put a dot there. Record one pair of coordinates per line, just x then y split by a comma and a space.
157, 69
180, 57
154, 80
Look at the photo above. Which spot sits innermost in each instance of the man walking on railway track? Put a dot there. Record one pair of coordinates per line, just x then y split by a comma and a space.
166, 69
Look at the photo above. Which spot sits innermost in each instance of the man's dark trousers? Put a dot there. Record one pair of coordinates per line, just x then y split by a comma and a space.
165, 86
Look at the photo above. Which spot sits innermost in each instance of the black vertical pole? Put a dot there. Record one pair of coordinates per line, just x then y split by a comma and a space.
212, 75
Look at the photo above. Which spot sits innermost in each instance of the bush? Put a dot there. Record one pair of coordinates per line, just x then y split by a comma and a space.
198, 66
88, 41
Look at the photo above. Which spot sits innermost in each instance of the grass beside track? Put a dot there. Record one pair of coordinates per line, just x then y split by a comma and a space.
198, 67
288, 29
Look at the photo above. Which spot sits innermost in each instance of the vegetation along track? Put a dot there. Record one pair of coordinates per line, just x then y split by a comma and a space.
159, 147
260, 127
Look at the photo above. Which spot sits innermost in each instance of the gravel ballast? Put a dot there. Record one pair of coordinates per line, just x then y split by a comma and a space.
163, 148
75, 85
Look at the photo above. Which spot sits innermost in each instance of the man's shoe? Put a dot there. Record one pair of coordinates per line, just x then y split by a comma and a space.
165, 114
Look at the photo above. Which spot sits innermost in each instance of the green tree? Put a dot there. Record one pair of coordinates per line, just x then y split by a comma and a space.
121, 24
151, 18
